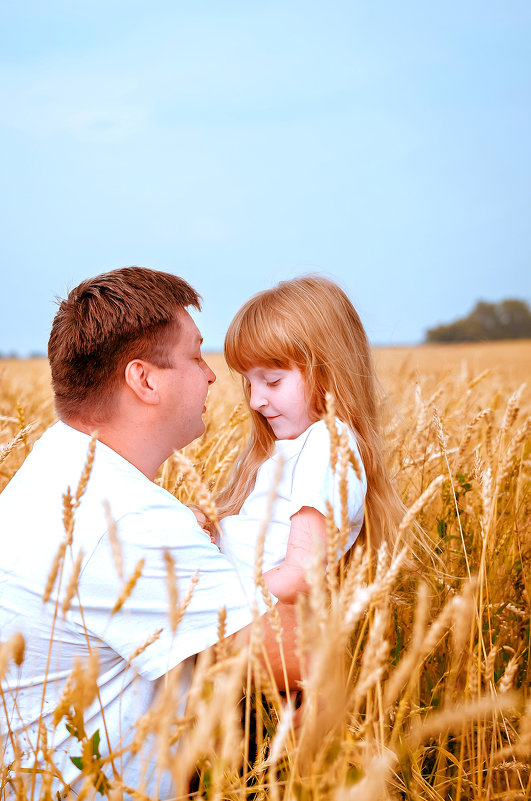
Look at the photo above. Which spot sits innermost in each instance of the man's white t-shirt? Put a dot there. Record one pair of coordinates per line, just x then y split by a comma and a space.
149, 522
307, 479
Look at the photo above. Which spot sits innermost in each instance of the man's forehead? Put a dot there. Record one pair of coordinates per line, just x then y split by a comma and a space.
189, 330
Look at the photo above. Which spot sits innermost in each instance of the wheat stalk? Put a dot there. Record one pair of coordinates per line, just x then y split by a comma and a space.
116, 548
128, 587
20, 437
73, 583
202, 495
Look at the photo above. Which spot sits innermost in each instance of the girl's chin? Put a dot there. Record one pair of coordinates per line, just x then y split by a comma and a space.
287, 432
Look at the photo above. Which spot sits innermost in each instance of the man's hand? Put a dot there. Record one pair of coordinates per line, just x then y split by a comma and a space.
273, 659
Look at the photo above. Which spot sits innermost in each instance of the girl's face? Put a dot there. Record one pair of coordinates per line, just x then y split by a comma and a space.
282, 397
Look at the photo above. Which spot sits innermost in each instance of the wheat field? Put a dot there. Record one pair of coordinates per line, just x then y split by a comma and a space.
417, 678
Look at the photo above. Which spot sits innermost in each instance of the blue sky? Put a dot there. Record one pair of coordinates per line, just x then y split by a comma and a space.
384, 144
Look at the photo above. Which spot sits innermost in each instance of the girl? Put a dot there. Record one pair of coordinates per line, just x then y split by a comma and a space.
292, 345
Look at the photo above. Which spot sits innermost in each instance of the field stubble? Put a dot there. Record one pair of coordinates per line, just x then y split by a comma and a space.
417, 677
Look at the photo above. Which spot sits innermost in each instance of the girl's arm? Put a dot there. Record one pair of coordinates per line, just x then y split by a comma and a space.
307, 532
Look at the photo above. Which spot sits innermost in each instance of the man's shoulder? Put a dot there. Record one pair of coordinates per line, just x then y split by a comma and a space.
51, 459
60, 462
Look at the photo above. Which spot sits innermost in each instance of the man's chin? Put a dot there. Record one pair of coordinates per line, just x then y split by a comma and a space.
200, 429
198, 432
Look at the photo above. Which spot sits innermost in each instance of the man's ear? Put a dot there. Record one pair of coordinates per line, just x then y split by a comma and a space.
141, 379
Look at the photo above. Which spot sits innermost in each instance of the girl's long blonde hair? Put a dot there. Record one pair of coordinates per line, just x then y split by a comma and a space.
309, 322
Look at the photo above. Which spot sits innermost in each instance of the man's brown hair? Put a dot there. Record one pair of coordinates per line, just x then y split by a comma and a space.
106, 321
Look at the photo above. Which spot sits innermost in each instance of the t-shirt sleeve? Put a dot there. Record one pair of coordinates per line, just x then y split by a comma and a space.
171, 528
314, 482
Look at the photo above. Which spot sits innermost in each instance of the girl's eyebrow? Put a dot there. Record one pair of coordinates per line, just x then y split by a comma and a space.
267, 370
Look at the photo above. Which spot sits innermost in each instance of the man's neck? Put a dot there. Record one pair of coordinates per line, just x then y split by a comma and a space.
131, 442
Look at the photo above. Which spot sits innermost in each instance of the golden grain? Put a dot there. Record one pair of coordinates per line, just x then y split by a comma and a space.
13, 650
386, 654
343, 459
183, 605
54, 570
419, 504
172, 590
221, 645
7, 449
72, 583
203, 496
141, 648
116, 548
506, 681
128, 587
330, 419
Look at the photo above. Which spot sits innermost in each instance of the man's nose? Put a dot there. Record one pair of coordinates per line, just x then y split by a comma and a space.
210, 374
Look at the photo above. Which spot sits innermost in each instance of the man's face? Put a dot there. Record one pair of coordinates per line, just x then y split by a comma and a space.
184, 386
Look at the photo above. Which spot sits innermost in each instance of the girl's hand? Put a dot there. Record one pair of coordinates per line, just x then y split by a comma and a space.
203, 521
200, 516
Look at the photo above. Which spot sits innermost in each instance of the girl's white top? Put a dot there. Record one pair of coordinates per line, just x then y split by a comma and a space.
307, 479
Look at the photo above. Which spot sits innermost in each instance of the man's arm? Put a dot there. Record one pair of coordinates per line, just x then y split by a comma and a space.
273, 654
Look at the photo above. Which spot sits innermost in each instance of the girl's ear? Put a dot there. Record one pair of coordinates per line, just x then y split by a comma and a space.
141, 379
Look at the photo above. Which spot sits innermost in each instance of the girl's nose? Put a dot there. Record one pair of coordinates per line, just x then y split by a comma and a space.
256, 401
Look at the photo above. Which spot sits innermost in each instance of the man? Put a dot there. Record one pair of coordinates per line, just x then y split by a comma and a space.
125, 358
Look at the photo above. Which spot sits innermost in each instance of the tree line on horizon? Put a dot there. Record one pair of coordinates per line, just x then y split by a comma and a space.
508, 319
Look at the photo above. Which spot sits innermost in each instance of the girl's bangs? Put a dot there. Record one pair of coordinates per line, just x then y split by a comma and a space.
252, 342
